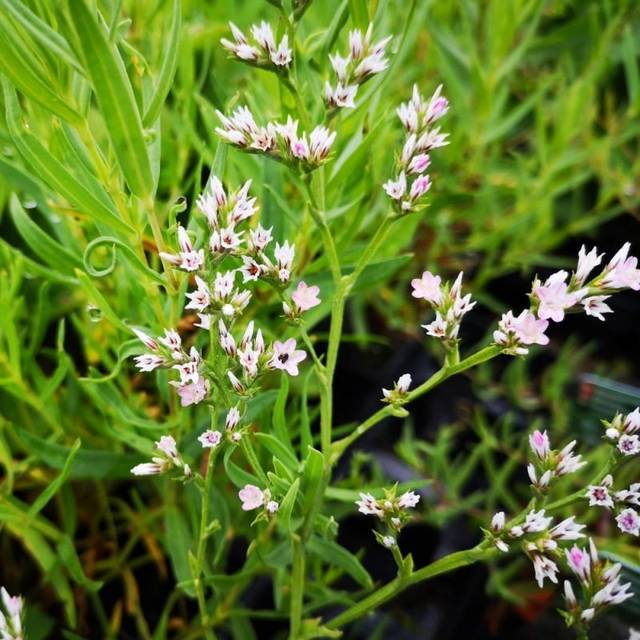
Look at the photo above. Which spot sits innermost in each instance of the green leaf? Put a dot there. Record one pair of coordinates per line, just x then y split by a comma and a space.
279, 419
67, 553
278, 449
115, 96
178, 544
286, 507
52, 488
43, 245
312, 479
27, 74
334, 554
167, 69
41, 31
88, 463
53, 172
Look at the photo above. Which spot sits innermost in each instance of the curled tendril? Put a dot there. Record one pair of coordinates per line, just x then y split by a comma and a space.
178, 206
132, 258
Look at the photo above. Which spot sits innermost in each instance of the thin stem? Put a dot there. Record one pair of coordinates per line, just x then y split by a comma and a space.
370, 250
202, 545
483, 355
391, 589
252, 458
297, 587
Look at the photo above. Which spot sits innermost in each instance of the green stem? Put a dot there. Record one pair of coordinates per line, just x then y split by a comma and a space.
390, 590
483, 355
370, 250
202, 546
252, 458
297, 587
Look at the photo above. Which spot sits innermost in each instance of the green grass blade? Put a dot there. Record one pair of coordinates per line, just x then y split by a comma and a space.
167, 69
115, 96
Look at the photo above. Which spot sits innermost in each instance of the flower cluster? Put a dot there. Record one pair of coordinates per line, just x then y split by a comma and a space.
559, 294
447, 301
539, 540
253, 497
391, 510
218, 300
210, 439
549, 464
10, 616
602, 495
279, 141
168, 352
168, 459
263, 52
622, 431
417, 117
363, 60
599, 583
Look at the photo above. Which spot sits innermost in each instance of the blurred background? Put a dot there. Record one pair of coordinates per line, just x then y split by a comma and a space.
543, 157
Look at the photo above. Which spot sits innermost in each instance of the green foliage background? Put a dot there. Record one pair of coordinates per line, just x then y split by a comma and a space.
102, 146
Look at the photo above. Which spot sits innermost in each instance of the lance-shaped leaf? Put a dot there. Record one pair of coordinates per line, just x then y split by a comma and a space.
114, 93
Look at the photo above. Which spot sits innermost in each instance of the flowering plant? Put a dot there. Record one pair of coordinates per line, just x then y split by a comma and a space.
212, 338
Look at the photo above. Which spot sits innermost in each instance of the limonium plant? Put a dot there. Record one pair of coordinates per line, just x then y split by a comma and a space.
235, 303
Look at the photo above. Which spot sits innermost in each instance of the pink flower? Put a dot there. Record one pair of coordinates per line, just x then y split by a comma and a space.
579, 562
529, 329
420, 186
167, 445
192, 393
629, 445
396, 189
539, 441
554, 297
285, 357
306, 297
369, 505
251, 496
427, 287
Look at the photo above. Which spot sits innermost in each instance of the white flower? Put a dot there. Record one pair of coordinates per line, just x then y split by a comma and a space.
622, 271
596, 307
232, 419
629, 521
369, 505
599, 494
498, 521
210, 439
568, 529
536, 521
629, 445
286, 357
408, 500
272, 506
544, 568
199, 299
148, 341
149, 361
389, 541
587, 262
396, 190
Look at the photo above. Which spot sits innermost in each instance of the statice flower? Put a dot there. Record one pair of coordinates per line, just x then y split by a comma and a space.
168, 458
253, 498
600, 586
392, 511
187, 258
262, 51
399, 392
279, 141
548, 464
410, 184
11, 627
516, 333
286, 357
448, 303
305, 297
363, 60
622, 432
